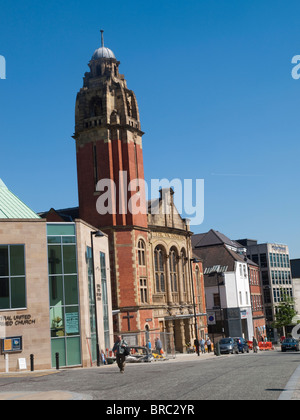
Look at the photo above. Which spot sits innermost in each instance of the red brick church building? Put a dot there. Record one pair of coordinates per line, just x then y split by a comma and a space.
150, 252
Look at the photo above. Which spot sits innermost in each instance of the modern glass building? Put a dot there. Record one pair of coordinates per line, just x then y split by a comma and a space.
276, 278
78, 293
64, 294
51, 289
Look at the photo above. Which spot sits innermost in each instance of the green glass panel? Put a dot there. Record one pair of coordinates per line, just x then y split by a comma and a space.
4, 293
94, 347
54, 258
61, 229
91, 290
107, 340
54, 239
18, 293
71, 290
105, 318
68, 239
58, 345
69, 252
57, 321
72, 320
73, 351
104, 292
92, 318
17, 260
89, 261
103, 265
56, 290
4, 268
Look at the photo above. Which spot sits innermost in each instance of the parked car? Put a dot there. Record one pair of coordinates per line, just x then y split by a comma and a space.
242, 344
139, 354
290, 344
228, 345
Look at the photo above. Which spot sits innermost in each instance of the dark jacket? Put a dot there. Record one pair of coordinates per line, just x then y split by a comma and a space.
119, 347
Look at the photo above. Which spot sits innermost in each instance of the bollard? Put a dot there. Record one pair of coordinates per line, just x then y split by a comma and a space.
98, 356
32, 363
57, 360
217, 350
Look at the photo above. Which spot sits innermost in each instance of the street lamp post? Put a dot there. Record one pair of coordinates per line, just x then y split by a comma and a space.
195, 260
97, 234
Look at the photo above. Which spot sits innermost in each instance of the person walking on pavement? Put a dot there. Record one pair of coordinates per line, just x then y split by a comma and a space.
197, 345
119, 348
208, 343
202, 345
158, 345
255, 344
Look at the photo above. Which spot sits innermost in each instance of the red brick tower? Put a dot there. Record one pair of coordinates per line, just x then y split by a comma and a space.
109, 159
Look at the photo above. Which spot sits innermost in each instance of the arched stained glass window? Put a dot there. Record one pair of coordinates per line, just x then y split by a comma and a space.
173, 270
159, 263
141, 253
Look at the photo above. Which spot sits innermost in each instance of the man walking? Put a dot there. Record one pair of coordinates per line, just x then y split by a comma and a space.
208, 343
255, 344
119, 349
158, 345
197, 345
202, 345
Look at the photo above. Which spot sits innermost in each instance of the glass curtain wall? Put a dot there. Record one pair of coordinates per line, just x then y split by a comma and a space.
12, 277
64, 296
89, 260
104, 300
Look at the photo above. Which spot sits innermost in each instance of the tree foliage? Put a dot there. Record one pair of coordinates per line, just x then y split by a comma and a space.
285, 311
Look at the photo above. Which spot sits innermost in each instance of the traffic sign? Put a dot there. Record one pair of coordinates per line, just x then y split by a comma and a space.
211, 318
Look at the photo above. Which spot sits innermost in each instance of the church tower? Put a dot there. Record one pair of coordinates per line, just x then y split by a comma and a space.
110, 182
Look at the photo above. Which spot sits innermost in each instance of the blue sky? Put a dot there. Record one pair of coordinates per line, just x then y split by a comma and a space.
214, 88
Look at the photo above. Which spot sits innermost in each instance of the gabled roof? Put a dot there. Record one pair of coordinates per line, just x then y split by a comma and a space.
216, 255
11, 207
217, 249
211, 238
62, 215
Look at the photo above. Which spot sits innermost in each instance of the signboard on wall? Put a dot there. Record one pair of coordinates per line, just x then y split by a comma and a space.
244, 314
72, 323
11, 345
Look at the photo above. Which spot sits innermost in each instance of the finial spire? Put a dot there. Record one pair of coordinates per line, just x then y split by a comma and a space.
102, 38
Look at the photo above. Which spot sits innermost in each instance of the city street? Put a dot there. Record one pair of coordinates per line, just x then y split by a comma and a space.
246, 376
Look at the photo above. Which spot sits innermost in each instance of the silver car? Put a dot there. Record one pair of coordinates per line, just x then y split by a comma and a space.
228, 345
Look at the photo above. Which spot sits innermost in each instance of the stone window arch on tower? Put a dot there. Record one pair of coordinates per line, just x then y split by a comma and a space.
114, 117
131, 106
95, 107
159, 265
98, 71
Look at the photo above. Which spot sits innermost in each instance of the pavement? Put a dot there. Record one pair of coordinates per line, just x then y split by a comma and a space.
290, 392
292, 389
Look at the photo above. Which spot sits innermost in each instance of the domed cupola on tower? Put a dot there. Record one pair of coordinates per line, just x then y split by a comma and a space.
105, 98
103, 52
